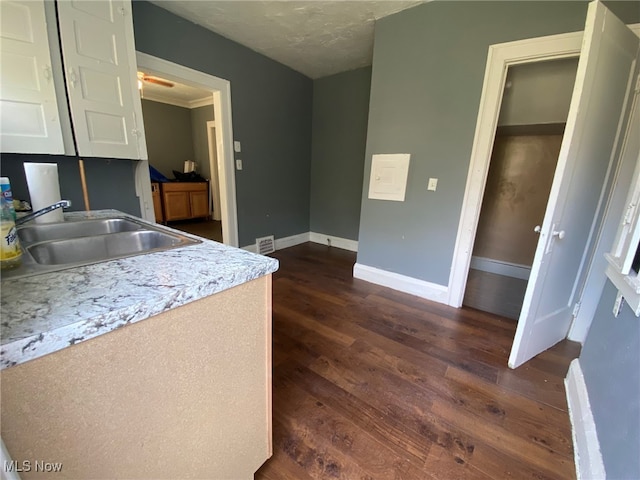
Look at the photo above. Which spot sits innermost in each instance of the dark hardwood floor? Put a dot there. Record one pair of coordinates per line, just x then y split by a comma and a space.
369, 383
211, 229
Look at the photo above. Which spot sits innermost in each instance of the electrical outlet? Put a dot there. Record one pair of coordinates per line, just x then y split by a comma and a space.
617, 305
237, 147
433, 184
238, 164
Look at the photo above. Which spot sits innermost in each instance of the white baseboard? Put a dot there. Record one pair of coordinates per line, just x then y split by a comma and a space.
338, 242
507, 269
281, 243
402, 283
586, 446
292, 241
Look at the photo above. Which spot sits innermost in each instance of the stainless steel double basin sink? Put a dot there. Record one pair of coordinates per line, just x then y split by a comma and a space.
57, 246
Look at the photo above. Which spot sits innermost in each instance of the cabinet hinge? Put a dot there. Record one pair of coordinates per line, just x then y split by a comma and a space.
576, 309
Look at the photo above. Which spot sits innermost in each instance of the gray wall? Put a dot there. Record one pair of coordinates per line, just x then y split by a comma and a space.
610, 361
340, 111
539, 93
111, 182
167, 130
199, 136
271, 117
428, 69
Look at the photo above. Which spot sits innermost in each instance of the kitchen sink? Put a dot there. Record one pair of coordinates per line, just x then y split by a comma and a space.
58, 246
98, 248
84, 228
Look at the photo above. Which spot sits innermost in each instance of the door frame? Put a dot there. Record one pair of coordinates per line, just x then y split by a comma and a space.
221, 90
213, 169
500, 58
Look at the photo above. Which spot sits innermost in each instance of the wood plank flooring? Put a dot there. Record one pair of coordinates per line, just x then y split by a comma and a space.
369, 383
495, 293
211, 229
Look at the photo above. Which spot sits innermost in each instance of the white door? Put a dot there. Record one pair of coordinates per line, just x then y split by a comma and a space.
605, 71
100, 68
30, 122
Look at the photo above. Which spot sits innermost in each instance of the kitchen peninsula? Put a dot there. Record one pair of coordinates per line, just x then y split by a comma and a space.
150, 366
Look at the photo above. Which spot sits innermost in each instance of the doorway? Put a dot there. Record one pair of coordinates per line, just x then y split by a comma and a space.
221, 92
533, 113
588, 157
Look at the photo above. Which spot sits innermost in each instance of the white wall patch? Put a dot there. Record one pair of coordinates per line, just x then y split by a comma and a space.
389, 176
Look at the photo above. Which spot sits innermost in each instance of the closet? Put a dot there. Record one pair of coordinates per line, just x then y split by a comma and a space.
533, 113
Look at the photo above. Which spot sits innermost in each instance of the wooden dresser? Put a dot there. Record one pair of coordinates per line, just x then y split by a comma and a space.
180, 200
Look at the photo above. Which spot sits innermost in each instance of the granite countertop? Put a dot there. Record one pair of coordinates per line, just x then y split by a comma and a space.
44, 313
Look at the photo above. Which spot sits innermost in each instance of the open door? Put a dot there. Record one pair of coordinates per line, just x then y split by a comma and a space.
606, 73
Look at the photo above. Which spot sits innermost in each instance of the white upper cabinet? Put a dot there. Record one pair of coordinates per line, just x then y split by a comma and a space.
28, 106
100, 66
99, 69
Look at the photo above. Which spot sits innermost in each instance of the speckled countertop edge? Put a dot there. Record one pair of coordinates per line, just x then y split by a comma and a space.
44, 313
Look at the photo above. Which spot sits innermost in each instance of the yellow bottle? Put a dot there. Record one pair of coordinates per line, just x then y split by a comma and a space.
10, 251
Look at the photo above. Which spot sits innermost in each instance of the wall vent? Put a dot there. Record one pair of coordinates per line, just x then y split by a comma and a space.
265, 245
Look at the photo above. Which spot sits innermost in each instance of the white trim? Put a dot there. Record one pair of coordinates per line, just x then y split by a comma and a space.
142, 181
338, 242
627, 285
499, 58
152, 97
284, 242
224, 136
203, 102
214, 183
586, 446
402, 283
176, 102
514, 270
291, 241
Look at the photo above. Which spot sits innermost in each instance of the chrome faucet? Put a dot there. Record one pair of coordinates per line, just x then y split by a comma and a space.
42, 211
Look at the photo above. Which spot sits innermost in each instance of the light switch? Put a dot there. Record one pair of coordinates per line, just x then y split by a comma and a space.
238, 164
433, 184
236, 146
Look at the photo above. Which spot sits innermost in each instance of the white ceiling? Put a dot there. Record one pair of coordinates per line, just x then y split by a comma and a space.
314, 37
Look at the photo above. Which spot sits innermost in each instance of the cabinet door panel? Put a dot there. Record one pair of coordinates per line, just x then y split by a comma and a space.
199, 204
30, 120
99, 51
176, 205
101, 10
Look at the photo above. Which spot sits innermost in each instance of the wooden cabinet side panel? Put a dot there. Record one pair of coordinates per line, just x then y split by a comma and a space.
157, 202
184, 394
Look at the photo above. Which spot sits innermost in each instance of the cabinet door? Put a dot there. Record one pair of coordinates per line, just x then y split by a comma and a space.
99, 55
29, 110
199, 203
176, 206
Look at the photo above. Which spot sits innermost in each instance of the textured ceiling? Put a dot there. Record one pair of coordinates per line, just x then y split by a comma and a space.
314, 37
